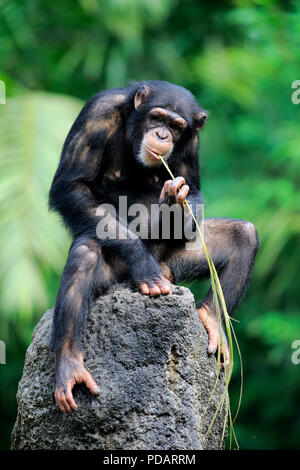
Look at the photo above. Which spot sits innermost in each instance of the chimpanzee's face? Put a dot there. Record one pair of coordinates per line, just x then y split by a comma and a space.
162, 128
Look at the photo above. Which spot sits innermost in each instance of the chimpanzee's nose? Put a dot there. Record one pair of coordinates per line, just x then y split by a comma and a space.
162, 134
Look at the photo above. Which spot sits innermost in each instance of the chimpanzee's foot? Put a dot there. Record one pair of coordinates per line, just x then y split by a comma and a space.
216, 335
69, 371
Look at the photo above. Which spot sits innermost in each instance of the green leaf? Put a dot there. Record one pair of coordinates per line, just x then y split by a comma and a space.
32, 130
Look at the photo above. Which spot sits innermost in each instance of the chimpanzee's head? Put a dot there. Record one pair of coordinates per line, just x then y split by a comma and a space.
164, 115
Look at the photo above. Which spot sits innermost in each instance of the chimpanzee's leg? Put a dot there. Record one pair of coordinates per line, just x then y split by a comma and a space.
86, 274
233, 245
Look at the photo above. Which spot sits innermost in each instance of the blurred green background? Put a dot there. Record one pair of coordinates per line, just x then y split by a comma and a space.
239, 58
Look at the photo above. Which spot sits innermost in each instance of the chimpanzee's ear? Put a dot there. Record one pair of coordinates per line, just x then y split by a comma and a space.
141, 95
200, 119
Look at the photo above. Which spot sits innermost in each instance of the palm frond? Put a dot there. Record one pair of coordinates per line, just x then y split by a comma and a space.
32, 130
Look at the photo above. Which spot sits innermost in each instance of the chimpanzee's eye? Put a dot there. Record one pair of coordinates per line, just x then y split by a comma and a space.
176, 130
157, 121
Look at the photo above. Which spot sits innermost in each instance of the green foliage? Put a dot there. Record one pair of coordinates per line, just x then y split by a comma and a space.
33, 127
239, 58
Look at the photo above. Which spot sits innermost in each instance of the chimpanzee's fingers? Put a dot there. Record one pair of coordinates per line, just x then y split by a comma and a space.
88, 380
211, 327
164, 285
143, 288
176, 184
69, 398
182, 195
154, 290
61, 401
225, 351
165, 190
213, 338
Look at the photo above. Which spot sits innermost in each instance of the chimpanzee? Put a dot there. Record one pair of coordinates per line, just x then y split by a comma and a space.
113, 150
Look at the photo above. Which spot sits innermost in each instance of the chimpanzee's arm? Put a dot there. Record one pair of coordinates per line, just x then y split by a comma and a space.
85, 274
72, 195
81, 161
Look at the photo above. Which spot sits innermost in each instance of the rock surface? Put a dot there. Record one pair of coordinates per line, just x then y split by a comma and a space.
149, 357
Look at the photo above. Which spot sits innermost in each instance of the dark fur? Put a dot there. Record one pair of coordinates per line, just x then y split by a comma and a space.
107, 135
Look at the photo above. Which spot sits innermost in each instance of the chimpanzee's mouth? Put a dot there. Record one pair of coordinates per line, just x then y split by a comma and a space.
154, 154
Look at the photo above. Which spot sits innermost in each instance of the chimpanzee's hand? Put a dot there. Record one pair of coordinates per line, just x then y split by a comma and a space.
150, 277
69, 371
174, 191
156, 287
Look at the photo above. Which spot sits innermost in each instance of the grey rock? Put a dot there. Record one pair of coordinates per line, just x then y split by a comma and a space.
149, 357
